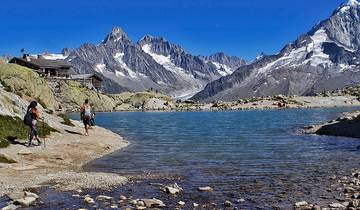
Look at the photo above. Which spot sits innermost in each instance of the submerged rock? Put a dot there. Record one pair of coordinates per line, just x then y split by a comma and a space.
300, 204
10, 207
337, 205
27, 201
153, 203
181, 203
228, 204
207, 188
103, 198
89, 200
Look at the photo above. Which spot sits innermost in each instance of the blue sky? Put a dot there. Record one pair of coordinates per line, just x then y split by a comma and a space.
236, 27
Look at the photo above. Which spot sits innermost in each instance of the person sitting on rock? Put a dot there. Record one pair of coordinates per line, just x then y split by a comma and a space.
33, 114
85, 115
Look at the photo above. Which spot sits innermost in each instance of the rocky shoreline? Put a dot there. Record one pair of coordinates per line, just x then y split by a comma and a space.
58, 163
346, 126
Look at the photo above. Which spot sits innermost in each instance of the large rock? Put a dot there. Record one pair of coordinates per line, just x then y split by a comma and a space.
150, 203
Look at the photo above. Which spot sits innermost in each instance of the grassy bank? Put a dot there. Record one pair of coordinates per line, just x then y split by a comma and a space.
14, 129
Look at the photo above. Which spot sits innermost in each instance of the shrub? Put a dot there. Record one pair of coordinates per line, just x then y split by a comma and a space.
66, 121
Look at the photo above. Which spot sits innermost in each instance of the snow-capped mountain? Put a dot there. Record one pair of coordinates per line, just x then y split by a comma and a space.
326, 58
153, 63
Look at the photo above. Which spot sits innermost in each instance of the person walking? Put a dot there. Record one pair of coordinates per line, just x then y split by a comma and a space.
92, 118
31, 118
85, 115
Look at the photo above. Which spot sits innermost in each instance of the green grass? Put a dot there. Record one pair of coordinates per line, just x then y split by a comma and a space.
14, 128
66, 121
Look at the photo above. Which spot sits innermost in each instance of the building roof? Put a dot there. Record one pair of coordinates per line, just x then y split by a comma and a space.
86, 76
44, 63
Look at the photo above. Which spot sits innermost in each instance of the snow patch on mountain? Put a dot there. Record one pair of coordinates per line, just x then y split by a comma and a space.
100, 67
119, 58
222, 68
163, 60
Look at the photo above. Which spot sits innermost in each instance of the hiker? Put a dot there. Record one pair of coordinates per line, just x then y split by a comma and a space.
30, 119
92, 118
85, 115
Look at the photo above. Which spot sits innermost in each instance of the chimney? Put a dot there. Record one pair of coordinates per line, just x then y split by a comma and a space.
26, 57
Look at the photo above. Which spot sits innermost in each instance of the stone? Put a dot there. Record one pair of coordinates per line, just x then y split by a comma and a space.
133, 202
207, 188
195, 204
122, 197
7, 159
153, 203
300, 204
354, 203
10, 207
241, 200
140, 207
27, 201
316, 207
228, 204
140, 203
181, 203
356, 195
336, 205
114, 206
24, 151
30, 194
89, 200
349, 190
103, 198
171, 190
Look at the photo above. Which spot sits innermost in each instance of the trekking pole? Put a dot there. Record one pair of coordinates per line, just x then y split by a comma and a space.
43, 128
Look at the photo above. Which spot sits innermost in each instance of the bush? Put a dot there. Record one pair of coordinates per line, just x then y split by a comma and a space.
66, 121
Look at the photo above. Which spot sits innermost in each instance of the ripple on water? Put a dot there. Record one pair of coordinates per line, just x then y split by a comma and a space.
254, 154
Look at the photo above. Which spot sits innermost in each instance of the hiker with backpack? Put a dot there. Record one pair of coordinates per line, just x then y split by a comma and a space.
31, 117
85, 115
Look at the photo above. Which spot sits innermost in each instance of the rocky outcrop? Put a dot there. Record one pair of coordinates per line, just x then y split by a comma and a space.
347, 126
325, 58
27, 84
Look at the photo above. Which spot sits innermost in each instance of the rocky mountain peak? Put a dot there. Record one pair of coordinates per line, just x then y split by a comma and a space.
116, 35
351, 3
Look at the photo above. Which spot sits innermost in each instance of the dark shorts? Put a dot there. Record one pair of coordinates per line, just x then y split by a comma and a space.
86, 120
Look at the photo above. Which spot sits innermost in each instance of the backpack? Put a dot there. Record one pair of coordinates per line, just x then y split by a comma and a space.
28, 118
87, 111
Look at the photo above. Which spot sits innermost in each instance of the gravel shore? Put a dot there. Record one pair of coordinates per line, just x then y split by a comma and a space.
60, 162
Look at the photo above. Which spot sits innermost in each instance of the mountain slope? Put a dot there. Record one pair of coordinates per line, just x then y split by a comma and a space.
326, 58
152, 63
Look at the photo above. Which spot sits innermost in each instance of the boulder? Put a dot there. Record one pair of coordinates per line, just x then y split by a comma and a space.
337, 205
228, 204
6, 159
30, 194
89, 200
153, 203
27, 201
300, 204
10, 207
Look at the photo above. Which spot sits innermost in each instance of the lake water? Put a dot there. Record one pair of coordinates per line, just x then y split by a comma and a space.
257, 155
